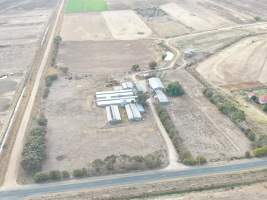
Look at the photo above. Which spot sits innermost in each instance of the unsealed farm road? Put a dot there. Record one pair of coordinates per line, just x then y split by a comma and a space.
23, 192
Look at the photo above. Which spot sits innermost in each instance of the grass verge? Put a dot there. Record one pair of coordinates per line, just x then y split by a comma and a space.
86, 6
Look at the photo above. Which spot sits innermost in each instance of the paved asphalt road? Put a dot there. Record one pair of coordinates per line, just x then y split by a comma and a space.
22, 192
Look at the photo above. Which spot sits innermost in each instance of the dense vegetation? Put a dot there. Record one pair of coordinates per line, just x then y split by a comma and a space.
110, 165
34, 150
174, 89
184, 154
225, 105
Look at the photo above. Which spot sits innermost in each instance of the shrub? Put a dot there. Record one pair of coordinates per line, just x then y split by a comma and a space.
65, 174
34, 151
79, 173
200, 160
46, 92
257, 18
55, 175
260, 152
41, 177
50, 79
152, 161
174, 89
142, 98
265, 108
42, 121
135, 68
152, 65
248, 154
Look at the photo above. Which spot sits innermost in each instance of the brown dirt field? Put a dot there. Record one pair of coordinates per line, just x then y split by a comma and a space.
243, 86
85, 26
78, 132
109, 57
126, 25
245, 61
204, 130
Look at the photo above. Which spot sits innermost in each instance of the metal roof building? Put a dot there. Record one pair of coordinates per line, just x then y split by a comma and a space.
119, 97
162, 98
113, 114
155, 83
133, 112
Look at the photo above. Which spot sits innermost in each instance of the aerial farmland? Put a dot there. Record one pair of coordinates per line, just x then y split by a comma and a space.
101, 45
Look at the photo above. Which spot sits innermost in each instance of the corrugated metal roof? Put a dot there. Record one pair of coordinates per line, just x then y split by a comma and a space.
127, 85
113, 91
155, 83
161, 97
120, 101
113, 113
133, 112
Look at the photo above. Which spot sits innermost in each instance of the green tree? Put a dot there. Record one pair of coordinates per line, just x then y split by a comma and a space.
152, 65
174, 89
265, 108
41, 177
135, 68
142, 98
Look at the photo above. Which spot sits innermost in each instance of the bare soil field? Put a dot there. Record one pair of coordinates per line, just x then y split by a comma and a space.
22, 25
126, 25
204, 130
78, 131
252, 192
245, 61
92, 27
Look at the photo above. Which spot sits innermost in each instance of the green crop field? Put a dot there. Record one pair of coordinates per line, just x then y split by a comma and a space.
86, 5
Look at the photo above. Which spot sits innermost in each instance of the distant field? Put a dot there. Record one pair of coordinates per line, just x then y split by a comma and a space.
86, 5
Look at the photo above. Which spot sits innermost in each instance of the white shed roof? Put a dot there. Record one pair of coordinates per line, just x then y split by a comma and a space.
155, 83
161, 97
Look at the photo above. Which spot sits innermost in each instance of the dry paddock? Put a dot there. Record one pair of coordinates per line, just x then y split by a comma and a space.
245, 61
78, 132
204, 130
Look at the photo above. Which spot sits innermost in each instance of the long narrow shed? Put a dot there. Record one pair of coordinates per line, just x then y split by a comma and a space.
113, 114
155, 83
132, 112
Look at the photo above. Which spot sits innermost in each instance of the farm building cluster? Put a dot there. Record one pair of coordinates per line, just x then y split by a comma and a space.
125, 97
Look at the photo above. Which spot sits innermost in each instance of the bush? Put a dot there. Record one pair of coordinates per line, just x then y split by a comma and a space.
152, 65
79, 173
257, 18
174, 89
201, 160
265, 108
135, 68
152, 161
50, 79
260, 152
55, 175
247, 154
41, 177
42, 121
65, 175
46, 92
142, 98
34, 151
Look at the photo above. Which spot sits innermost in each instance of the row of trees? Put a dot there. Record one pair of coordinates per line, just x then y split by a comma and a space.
184, 154
110, 165
34, 150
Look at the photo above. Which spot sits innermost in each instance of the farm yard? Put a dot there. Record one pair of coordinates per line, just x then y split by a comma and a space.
71, 101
